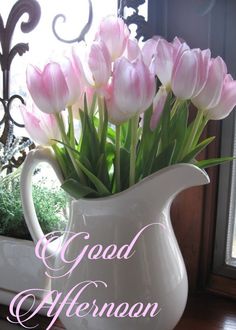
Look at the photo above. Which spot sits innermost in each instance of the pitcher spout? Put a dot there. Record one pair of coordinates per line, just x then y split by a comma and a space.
165, 184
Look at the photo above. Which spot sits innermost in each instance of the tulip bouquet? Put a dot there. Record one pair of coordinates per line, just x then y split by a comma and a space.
121, 112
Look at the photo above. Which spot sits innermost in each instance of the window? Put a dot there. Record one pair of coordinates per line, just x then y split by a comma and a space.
225, 241
43, 45
60, 21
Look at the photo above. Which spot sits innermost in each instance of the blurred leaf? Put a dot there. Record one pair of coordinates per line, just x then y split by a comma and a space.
125, 164
165, 123
164, 158
193, 153
127, 143
77, 190
101, 188
213, 161
178, 131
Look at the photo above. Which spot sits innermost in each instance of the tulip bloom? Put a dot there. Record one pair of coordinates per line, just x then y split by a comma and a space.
227, 100
132, 49
131, 91
190, 73
165, 57
158, 106
210, 95
42, 127
114, 33
48, 88
74, 77
149, 50
99, 62
79, 105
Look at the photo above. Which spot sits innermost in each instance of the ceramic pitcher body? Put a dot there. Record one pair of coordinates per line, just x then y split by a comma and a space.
121, 259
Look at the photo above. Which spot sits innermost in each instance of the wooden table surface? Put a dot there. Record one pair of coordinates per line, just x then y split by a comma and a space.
203, 312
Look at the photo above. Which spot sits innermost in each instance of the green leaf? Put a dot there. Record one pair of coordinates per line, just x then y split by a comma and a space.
64, 161
102, 171
164, 158
101, 188
193, 153
165, 123
77, 190
104, 129
127, 143
123, 132
90, 145
178, 131
93, 106
147, 147
125, 164
213, 161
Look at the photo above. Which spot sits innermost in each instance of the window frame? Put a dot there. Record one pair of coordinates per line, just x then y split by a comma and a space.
225, 205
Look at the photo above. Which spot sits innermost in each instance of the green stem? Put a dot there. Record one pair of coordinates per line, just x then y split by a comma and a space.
101, 116
72, 129
175, 107
134, 135
192, 136
70, 152
117, 161
200, 130
93, 106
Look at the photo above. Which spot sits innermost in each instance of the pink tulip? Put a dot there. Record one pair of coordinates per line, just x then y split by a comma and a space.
158, 106
132, 49
42, 127
78, 59
99, 62
48, 88
74, 79
90, 91
164, 59
114, 33
210, 95
227, 100
149, 50
131, 91
190, 73
184, 75
204, 57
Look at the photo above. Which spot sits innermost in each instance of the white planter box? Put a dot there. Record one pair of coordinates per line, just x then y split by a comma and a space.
19, 268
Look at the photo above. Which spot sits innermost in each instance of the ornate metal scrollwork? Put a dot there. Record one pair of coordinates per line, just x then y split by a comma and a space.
9, 144
143, 28
83, 32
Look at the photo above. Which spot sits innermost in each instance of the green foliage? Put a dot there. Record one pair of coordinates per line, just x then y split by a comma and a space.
110, 158
49, 204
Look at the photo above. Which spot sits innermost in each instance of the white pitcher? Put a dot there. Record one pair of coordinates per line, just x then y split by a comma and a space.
154, 273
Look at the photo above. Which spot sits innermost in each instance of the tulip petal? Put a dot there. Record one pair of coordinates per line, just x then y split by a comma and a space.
135, 78
184, 77
164, 61
99, 62
56, 87
227, 101
132, 49
48, 88
149, 50
114, 33
210, 94
73, 80
203, 69
158, 106
41, 127
36, 87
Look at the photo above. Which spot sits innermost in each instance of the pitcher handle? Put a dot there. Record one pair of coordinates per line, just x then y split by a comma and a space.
33, 158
